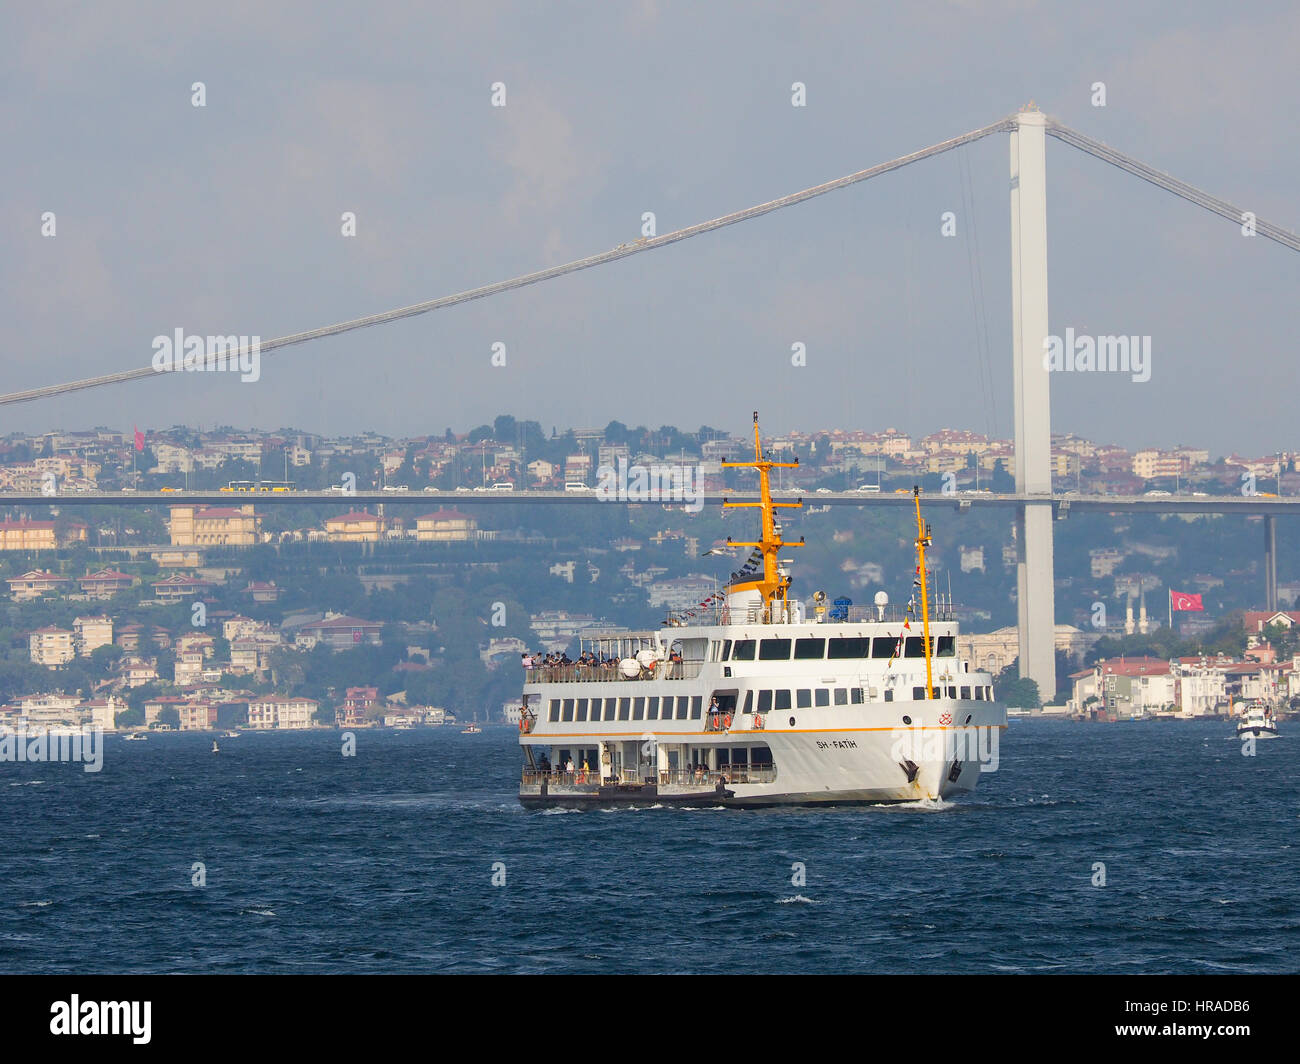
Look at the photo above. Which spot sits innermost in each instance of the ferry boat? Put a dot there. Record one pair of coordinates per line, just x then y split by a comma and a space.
1256, 719
758, 700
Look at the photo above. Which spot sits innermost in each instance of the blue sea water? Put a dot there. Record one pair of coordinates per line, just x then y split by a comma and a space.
384, 862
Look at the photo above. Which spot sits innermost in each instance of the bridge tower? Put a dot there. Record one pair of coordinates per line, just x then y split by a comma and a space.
1035, 591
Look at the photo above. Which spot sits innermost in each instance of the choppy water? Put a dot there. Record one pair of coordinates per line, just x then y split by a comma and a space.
384, 863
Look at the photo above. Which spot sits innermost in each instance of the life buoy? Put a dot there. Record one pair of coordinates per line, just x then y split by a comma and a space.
726, 720
758, 722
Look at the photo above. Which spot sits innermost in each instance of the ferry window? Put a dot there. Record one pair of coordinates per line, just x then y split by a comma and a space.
743, 650
697, 706
841, 696
822, 696
965, 693
988, 693
782, 700
726, 650
884, 647
803, 698
582, 710
918, 693
855, 647
764, 701
683, 707
638, 709
946, 646
567, 710
914, 647
809, 649
652, 709
952, 692
749, 702
979, 694
667, 710
855, 695
889, 695
555, 711
624, 708
595, 708
774, 650
760, 755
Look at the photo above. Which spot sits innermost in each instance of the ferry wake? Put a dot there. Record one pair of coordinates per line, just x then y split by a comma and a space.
763, 699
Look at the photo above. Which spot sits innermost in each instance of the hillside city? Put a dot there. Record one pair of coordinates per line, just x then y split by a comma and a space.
198, 617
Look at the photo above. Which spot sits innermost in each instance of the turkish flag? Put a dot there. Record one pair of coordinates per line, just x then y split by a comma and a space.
1181, 600
139, 440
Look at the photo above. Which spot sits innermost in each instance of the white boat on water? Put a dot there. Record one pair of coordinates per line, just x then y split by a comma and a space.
1255, 718
751, 701
135, 737
471, 729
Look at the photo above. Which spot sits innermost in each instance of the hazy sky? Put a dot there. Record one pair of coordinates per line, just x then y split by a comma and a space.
226, 218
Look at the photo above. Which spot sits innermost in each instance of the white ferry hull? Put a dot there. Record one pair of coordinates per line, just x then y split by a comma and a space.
861, 754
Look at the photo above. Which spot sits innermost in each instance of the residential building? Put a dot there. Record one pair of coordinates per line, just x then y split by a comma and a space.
176, 587
358, 702
277, 712
51, 646
105, 583
88, 633
197, 716
136, 672
445, 526
357, 526
214, 526
34, 583
1151, 463
27, 535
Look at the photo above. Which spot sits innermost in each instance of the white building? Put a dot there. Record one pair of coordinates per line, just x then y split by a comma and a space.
281, 713
51, 646
88, 633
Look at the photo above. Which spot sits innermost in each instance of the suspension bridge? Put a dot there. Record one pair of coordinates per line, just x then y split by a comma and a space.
1034, 504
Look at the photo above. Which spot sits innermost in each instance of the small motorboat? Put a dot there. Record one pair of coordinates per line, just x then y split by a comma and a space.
229, 735
135, 737
1257, 721
472, 729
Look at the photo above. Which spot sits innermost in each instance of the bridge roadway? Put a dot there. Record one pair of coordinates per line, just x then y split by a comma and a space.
1062, 505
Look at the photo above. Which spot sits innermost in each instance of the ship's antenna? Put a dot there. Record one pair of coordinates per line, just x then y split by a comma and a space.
923, 541
773, 587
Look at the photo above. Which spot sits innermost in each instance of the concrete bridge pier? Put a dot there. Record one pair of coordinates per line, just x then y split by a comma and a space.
1036, 592
1270, 563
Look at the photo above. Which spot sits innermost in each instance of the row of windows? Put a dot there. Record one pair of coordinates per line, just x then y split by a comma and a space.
981, 694
655, 707
690, 707
815, 648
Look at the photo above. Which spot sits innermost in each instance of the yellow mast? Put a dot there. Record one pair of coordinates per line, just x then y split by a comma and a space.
772, 586
923, 541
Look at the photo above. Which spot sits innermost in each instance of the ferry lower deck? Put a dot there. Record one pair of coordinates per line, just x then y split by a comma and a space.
869, 752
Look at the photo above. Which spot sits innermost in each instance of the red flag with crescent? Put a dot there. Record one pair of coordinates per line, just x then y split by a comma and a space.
1181, 600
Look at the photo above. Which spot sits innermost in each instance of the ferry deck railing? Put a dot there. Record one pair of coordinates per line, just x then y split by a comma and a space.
664, 670
703, 778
